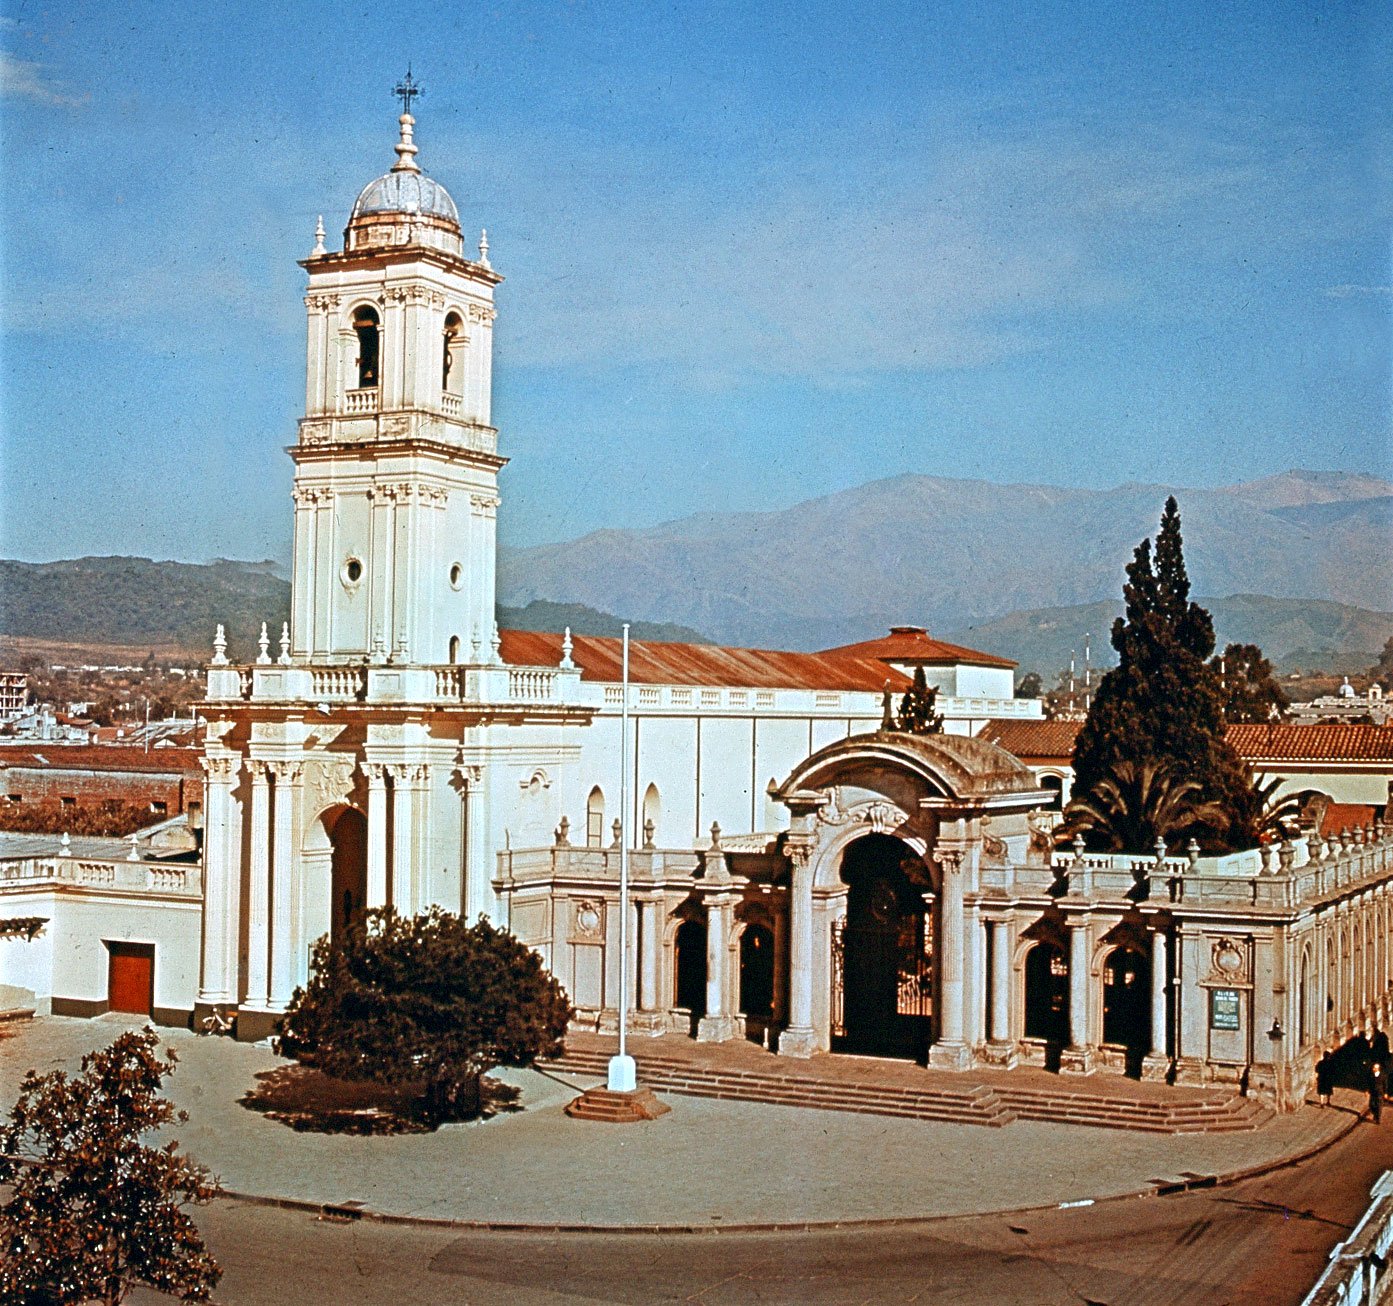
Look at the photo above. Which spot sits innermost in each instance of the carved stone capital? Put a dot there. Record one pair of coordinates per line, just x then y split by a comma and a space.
220, 769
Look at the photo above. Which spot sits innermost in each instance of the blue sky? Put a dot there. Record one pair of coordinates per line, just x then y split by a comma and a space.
754, 253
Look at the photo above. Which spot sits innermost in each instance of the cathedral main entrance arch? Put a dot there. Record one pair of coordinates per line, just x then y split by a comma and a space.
335, 872
882, 950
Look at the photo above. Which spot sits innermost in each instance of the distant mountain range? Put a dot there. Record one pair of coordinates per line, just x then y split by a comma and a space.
137, 602
1305, 558
1296, 634
959, 556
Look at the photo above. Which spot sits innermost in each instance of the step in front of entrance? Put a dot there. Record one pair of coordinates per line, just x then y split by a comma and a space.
977, 1104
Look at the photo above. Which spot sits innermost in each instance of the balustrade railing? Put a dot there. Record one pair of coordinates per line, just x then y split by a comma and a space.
342, 683
184, 879
358, 402
531, 684
450, 404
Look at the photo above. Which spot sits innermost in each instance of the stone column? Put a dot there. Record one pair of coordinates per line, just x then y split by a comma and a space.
403, 816
221, 880
377, 834
974, 978
479, 895
721, 1023
1001, 1050
1077, 1058
949, 1050
259, 894
649, 1016
799, 1039
285, 924
1156, 1063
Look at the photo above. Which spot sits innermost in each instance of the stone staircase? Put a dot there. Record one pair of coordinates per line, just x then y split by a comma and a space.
958, 1103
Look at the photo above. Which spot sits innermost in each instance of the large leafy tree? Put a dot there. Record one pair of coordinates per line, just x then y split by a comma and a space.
93, 1210
1250, 692
425, 1000
1163, 704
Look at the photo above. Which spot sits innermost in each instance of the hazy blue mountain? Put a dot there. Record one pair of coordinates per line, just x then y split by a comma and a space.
955, 554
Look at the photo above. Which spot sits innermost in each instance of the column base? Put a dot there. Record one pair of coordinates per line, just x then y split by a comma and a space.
1155, 1068
1077, 1061
950, 1056
795, 1042
254, 1025
651, 1023
719, 1029
1001, 1054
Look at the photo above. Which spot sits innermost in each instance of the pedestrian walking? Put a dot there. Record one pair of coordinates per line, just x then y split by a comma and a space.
1325, 1078
1376, 1092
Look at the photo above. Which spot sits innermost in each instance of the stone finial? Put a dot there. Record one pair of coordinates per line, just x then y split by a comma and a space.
567, 664
715, 834
649, 830
474, 646
65, 846
1079, 845
284, 658
379, 646
1192, 852
406, 147
1358, 834
484, 248
1160, 849
495, 645
133, 855
220, 647
618, 830
1286, 855
887, 709
263, 642
563, 832
402, 655
318, 238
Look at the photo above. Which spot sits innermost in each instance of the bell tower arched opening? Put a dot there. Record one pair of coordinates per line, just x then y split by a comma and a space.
882, 953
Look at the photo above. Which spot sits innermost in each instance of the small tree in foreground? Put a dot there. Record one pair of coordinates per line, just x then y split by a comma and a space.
425, 1000
94, 1211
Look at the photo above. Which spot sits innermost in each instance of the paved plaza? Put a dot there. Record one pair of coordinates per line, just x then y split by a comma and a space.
708, 1164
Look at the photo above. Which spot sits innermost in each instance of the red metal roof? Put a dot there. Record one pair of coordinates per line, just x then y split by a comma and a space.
98, 757
653, 663
913, 644
1255, 743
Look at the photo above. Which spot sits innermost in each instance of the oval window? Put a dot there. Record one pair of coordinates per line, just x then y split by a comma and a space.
352, 571
456, 575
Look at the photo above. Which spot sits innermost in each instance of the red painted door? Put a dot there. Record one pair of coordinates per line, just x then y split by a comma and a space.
130, 977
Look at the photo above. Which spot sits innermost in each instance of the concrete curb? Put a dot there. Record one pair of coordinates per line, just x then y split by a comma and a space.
355, 1211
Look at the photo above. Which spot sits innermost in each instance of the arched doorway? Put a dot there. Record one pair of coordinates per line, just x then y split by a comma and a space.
348, 839
1047, 999
757, 979
1127, 1004
882, 986
689, 987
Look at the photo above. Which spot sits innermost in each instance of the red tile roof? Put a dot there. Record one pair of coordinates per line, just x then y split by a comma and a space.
97, 757
1034, 739
652, 663
913, 644
1317, 743
1255, 743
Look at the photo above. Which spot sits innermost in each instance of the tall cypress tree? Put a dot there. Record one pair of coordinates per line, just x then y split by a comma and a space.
1163, 704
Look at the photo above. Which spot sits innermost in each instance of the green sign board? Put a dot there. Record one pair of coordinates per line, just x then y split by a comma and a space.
1223, 1009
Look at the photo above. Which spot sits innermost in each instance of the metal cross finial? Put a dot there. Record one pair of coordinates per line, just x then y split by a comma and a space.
407, 90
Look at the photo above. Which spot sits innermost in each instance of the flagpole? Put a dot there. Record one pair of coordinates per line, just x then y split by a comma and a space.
622, 1074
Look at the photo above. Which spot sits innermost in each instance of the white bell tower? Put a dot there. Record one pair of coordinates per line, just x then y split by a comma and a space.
396, 469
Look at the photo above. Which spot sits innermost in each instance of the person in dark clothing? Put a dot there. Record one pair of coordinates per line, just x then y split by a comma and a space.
1325, 1078
1376, 1092
1380, 1053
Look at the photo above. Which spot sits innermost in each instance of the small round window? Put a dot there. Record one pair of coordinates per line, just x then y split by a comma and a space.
456, 575
352, 571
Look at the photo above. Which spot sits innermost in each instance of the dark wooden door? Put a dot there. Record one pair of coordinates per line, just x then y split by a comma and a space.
130, 977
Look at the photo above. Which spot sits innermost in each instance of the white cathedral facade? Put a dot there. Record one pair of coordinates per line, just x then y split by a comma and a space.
799, 874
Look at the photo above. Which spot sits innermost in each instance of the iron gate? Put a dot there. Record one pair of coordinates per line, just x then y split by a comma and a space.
891, 978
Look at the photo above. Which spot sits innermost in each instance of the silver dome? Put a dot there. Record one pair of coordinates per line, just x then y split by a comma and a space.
406, 191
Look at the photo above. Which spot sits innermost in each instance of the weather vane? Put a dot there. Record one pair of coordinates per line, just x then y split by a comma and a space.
407, 90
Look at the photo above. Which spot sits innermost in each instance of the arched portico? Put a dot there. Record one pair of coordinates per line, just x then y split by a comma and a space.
929, 793
334, 874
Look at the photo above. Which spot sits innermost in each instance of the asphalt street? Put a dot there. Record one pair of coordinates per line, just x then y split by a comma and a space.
1260, 1241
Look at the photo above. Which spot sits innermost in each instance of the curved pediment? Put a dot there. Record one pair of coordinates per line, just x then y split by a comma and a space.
954, 768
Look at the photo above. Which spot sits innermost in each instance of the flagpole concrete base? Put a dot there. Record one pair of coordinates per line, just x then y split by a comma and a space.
623, 1075
617, 1108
